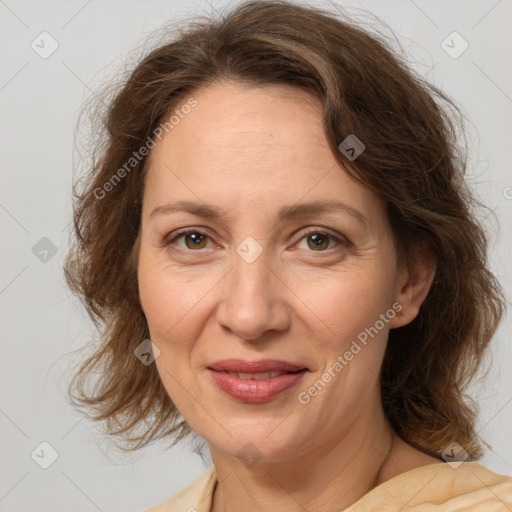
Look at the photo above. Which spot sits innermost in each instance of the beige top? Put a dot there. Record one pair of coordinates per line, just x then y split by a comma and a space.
470, 487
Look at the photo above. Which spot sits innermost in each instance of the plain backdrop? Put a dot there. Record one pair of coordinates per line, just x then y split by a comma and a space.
40, 99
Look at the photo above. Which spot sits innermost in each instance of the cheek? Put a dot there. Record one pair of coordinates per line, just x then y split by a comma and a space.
344, 304
172, 307
164, 300
165, 295
350, 351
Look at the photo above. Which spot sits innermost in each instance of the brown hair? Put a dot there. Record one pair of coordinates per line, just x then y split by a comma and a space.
412, 160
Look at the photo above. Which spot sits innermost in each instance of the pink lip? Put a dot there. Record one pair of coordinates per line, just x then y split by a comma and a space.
252, 390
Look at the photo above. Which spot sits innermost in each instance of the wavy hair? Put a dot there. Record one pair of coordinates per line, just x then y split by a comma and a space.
413, 160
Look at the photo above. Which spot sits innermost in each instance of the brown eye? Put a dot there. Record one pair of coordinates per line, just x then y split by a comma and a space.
195, 240
188, 240
323, 241
318, 241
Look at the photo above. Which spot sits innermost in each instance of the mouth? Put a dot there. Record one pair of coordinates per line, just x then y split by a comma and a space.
256, 367
257, 376
255, 381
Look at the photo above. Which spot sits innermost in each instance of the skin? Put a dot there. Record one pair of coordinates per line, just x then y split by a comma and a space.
250, 151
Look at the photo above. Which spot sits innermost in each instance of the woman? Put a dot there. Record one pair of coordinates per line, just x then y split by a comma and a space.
280, 208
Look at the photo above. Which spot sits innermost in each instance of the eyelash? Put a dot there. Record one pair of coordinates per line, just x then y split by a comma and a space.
341, 241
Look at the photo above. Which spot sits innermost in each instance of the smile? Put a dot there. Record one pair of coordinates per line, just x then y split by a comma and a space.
255, 381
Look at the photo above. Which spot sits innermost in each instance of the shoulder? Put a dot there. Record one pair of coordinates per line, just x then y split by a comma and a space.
196, 497
467, 486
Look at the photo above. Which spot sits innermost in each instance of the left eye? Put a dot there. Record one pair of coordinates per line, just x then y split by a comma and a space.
317, 241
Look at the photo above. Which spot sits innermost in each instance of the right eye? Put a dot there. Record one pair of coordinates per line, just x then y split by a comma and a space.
192, 238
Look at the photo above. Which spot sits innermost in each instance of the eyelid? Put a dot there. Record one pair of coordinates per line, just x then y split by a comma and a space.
338, 237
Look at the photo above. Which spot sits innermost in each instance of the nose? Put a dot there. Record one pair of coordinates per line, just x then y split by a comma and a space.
254, 300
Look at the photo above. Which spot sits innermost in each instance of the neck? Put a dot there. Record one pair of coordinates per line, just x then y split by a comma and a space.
330, 476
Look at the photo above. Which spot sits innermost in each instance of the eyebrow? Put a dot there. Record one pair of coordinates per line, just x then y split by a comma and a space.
285, 212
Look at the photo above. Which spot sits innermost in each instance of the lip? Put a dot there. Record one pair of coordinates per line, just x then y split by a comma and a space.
264, 365
254, 391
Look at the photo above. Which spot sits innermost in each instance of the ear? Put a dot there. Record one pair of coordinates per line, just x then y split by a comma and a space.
413, 284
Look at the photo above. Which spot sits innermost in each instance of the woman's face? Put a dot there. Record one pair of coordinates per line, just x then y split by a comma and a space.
265, 280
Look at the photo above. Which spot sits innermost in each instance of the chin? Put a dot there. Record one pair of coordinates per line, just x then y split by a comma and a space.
255, 441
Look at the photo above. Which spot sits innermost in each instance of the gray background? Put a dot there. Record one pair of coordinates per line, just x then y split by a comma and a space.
40, 99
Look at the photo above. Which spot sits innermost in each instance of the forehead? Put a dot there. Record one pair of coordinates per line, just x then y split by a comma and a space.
234, 120
245, 145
